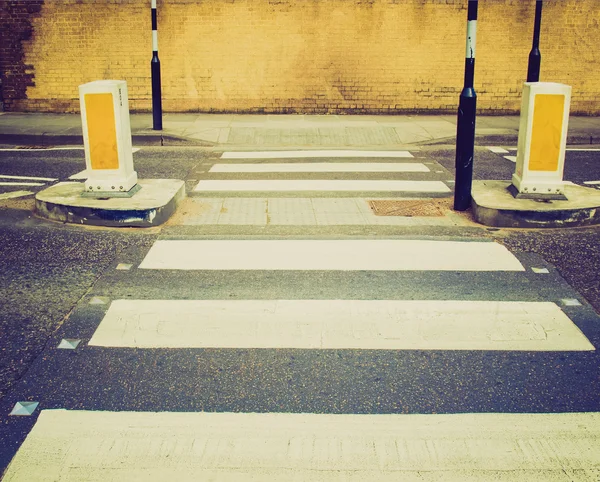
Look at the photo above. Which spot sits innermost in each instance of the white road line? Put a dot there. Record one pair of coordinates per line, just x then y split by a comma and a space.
80, 175
134, 446
30, 178
21, 184
135, 149
582, 150
511, 158
344, 255
313, 154
592, 183
15, 194
323, 167
498, 150
340, 324
320, 185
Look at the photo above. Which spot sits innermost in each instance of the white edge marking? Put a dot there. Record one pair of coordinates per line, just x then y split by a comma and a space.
498, 150
15, 194
29, 178
80, 175
511, 158
21, 184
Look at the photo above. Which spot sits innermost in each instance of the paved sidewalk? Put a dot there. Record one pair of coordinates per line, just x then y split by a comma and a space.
236, 131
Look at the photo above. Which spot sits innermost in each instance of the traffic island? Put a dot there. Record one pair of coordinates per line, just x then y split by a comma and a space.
493, 205
152, 205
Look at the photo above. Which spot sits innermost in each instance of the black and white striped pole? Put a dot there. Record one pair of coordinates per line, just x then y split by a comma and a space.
535, 57
155, 72
465, 133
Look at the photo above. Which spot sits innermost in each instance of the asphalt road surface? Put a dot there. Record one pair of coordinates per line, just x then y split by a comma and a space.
61, 282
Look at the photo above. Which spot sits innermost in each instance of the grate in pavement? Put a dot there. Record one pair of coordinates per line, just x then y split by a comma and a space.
410, 208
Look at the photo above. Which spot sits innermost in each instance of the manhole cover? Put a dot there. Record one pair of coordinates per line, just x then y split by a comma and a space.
409, 208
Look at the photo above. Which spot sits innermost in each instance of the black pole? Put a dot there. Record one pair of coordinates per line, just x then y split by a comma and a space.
465, 132
535, 57
155, 73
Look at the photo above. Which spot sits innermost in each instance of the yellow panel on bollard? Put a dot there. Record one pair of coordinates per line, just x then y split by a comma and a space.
542, 141
107, 138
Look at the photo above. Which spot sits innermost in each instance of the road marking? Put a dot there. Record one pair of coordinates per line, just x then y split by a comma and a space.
135, 149
312, 154
583, 150
591, 183
30, 178
343, 255
321, 185
21, 184
80, 175
15, 194
126, 446
498, 150
511, 158
323, 167
340, 324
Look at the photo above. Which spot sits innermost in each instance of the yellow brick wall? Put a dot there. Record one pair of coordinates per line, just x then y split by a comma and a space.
311, 56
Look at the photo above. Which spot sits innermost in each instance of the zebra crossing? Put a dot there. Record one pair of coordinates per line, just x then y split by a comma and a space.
313, 379
297, 357
350, 172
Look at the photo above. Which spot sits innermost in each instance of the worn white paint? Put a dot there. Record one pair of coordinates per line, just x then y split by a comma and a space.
498, 150
312, 154
80, 175
21, 184
154, 40
126, 446
340, 324
323, 167
344, 255
321, 185
15, 194
14, 149
28, 178
511, 158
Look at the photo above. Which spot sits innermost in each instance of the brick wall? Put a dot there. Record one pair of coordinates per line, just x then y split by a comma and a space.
310, 56
15, 28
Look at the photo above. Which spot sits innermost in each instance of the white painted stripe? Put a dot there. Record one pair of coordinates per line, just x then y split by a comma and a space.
323, 167
135, 149
345, 255
312, 154
43, 149
29, 178
80, 175
498, 150
154, 40
471, 39
320, 185
511, 158
15, 194
591, 182
21, 184
340, 324
583, 150
134, 446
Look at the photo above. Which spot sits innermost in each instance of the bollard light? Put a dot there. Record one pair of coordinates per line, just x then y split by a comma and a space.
107, 139
542, 141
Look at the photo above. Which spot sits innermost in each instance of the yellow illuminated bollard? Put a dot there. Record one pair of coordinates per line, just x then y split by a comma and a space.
107, 139
542, 141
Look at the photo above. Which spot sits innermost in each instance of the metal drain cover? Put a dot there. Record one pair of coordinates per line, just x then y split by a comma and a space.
410, 208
